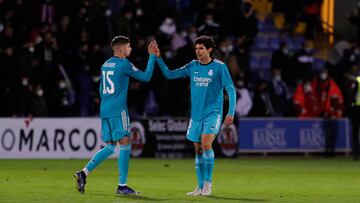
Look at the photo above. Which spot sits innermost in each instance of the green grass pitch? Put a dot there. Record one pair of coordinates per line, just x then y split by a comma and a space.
291, 179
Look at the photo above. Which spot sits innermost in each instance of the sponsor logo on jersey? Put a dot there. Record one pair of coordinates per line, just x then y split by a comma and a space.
202, 81
109, 65
211, 72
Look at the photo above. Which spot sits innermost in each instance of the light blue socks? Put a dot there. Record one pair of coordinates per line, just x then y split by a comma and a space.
123, 163
100, 156
199, 166
209, 158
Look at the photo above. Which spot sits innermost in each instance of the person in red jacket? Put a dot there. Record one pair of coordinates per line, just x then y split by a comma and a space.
331, 98
305, 101
331, 107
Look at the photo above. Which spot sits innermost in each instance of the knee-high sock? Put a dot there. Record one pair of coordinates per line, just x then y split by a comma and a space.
209, 158
123, 163
100, 156
199, 166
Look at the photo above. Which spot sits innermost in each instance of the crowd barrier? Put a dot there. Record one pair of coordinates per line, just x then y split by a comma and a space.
43, 138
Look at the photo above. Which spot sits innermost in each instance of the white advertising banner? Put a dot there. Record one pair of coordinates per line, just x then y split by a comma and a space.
50, 138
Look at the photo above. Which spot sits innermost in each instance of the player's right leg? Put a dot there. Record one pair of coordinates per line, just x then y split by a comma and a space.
193, 134
199, 167
98, 158
123, 166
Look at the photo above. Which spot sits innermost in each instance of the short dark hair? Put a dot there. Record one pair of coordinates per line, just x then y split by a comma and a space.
119, 40
207, 41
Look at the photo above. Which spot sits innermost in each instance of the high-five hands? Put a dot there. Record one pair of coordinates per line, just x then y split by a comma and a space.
152, 47
158, 52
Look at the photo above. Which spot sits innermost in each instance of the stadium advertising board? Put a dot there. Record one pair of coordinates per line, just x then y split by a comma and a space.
165, 137
292, 135
81, 138
49, 138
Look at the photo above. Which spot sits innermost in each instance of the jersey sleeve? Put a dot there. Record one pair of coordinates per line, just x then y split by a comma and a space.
227, 83
144, 76
173, 74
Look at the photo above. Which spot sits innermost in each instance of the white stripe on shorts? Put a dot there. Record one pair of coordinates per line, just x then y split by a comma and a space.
124, 120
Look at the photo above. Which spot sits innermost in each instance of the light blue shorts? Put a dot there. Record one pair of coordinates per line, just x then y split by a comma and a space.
210, 125
115, 128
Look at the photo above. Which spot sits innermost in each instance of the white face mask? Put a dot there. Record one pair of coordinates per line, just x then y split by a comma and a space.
25, 82
323, 76
223, 49
31, 49
286, 51
40, 92
277, 77
62, 85
307, 88
209, 22
184, 34
230, 48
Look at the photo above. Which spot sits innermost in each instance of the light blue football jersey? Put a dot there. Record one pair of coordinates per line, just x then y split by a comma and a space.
114, 84
207, 83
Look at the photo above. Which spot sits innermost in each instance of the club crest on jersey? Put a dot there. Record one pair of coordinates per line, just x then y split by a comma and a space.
211, 72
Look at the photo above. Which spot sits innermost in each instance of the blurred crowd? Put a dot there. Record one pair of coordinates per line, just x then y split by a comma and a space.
51, 52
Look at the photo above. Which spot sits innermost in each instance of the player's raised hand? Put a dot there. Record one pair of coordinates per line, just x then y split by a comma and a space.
158, 52
152, 47
228, 120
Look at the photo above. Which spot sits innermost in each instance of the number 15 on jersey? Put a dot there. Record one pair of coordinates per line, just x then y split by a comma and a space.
108, 84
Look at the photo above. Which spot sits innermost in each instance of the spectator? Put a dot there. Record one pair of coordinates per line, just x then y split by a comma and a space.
38, 103
209, 27
305, 101
355, 114
279, 94
281, 59
354, 18
244, 101
331, 107
303, 61
312, 10
262, 106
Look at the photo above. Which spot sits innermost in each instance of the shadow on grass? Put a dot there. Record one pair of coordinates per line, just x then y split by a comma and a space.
132, 197
141, 197
236, 199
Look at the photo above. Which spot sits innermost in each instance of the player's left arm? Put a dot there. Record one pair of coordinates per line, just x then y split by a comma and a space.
144, 76
227, 83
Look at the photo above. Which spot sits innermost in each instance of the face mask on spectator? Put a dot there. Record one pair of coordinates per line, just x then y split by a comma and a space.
25, 82
230, 48
307, 88
31, 49
184, 34
240, 84
223, 49
285, 51
323, 76
40, 92
62, 84
277, 77
209, 22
